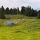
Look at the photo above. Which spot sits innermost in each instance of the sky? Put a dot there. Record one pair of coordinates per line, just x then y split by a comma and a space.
18, 3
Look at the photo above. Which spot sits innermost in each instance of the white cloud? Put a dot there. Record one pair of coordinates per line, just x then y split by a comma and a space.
13, 3
18, 3
35, 4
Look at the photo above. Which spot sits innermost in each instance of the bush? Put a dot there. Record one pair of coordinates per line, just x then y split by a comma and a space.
2, 17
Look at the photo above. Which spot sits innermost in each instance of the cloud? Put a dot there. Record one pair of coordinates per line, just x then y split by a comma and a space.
13, 3
18, 3
35, 4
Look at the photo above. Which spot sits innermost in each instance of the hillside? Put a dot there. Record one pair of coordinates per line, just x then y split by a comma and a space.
25, 29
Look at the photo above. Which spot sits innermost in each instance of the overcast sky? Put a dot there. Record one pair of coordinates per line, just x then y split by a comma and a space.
18, 3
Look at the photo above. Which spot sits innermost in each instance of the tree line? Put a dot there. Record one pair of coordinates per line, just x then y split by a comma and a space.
26, 11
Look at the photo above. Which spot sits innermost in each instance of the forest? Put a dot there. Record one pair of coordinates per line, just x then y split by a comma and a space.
26, 11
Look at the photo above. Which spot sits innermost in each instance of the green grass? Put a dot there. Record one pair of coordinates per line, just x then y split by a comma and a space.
27, 29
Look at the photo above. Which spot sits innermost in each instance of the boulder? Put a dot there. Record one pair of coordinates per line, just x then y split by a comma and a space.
9, 23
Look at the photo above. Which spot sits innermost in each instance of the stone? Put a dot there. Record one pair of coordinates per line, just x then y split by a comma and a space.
9, 23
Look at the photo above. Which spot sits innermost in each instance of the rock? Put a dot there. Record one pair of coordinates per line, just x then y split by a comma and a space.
9, 23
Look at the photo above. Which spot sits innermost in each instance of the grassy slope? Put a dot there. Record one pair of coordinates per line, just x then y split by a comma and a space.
28, 29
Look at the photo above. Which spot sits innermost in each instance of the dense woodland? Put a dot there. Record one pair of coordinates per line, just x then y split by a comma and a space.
26, 11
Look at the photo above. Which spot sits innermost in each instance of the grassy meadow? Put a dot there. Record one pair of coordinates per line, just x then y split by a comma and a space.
26, 29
